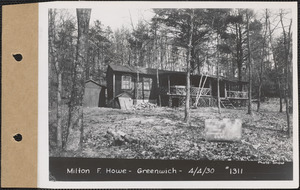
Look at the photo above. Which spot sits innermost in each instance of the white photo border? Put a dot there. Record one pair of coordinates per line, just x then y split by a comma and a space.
43, 143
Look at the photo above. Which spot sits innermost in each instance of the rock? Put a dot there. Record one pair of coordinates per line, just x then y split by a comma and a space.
134, 119
119, 138
168, 121
122, 134
150, 120
256, 146
157, 127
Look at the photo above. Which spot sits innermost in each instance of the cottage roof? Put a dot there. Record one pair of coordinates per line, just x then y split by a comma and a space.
150, 71
121, 68
230, 79
132, 69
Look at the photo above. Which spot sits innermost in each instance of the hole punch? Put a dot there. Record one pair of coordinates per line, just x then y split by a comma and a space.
18, 137
18, 57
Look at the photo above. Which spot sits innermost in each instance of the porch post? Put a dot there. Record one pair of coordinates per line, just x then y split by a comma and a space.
225, 91
210, 93
210, 87
143, 89
114, 85
169, 87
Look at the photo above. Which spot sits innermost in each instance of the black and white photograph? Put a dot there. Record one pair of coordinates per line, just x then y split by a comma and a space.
171, 85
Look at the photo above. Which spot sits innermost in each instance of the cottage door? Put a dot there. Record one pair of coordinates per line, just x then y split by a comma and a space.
222, 89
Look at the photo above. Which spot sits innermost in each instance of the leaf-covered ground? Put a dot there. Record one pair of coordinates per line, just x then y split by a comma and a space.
159, 133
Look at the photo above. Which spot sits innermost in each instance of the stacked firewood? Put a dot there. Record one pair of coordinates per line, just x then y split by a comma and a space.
144, 105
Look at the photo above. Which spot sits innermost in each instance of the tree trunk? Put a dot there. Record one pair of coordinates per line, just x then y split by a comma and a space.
83, 16
157, 66
59, 112
71, 102
286, 60
137, 75
276, 67
261, 64
158, 87
99, 65
250, 67
161, 57
218, 78
280, 97
76, 131
259, 95
239, 53
137, 85
53, 59
187, 116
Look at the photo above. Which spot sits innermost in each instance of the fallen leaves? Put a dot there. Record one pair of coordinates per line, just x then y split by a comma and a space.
159, 133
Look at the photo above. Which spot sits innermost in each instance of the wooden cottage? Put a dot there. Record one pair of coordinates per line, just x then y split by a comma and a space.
141, 84
138, 83
94, 94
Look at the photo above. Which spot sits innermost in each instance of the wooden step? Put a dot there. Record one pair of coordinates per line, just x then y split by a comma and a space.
226, 104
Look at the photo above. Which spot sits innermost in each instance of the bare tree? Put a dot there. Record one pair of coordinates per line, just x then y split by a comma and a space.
279, 89
187, 117
286, 42
83, 19
249, 64
53, 58
155, 61
262, 60
218, 78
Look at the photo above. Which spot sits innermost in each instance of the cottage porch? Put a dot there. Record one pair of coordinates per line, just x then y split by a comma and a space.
173, 92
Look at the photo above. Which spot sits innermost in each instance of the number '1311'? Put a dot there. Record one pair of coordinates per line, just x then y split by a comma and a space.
235, 171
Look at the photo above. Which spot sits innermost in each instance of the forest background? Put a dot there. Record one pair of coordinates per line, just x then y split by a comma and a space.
247, 44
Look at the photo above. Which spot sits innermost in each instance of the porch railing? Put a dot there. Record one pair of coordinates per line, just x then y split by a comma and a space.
204, 91
237, 94
181, 90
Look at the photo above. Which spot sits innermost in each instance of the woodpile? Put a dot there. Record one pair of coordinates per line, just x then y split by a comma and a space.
144, 105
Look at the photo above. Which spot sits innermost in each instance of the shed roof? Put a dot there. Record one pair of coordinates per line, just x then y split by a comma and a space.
124, 94
91, 80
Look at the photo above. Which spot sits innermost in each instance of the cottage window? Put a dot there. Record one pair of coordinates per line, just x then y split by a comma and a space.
126, 82
147, 83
